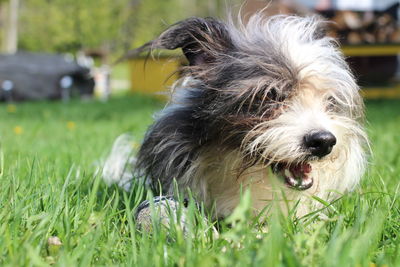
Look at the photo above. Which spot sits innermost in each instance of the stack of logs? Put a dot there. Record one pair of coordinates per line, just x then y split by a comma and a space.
373, 27
350, 28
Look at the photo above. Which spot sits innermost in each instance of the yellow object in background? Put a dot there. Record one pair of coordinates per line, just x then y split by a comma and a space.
71, 125
154, 75
18, 130
11, 108
392, 92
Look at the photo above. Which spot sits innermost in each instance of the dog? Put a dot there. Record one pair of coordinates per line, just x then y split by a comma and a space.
269, 106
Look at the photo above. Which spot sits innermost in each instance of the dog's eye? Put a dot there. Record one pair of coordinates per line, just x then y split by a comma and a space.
333, 104
274, 95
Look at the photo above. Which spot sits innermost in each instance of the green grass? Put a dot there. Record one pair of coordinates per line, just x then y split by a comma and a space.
49, 187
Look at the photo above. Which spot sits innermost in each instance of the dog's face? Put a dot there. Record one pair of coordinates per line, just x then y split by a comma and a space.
276, 90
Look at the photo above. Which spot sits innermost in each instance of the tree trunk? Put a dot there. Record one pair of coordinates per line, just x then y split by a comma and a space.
11, 38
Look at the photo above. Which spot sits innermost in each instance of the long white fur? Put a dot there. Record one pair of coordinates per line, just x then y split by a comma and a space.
117, 167
324, 75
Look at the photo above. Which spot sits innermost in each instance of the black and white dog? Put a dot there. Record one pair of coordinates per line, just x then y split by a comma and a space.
270, 106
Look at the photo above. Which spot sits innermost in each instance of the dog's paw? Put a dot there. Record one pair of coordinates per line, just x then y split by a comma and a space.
167, 212
162, 210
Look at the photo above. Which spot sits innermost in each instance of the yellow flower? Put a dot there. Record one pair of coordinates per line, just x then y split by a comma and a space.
18, 130
53, 245
11, 108
71, 125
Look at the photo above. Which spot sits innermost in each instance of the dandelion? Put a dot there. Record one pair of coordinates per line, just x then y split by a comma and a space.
71, 125
53, 245
11, 108
18, 130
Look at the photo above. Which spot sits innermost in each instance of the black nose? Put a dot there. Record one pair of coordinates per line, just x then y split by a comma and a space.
319, 143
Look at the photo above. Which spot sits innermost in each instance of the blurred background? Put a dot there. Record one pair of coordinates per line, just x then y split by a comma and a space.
63, 49
63, 102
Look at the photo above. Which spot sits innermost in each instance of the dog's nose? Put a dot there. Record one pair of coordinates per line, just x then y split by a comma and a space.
319, 143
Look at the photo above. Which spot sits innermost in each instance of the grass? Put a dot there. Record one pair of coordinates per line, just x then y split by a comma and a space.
50, 153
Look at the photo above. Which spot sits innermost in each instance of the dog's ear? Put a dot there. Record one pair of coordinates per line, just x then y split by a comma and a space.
201, 40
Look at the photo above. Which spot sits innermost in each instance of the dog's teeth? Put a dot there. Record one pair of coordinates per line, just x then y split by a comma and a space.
307, 168
292, 182
295, 176
306, 183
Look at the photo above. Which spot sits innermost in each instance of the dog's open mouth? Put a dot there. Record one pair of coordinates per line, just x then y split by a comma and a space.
296, 176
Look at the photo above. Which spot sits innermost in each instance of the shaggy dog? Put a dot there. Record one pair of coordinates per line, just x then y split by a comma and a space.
270, 106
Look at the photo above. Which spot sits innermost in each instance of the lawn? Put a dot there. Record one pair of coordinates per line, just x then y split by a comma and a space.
50, 154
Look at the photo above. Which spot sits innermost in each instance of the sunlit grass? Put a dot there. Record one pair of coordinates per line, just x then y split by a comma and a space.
50, 153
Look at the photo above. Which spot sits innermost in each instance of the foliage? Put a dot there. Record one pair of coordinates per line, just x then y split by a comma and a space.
50, 187
68, 25
111, 25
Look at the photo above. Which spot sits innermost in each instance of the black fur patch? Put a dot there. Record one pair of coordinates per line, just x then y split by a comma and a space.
231, 91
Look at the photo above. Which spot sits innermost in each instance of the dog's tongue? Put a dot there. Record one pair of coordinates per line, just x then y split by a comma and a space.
297, 176
300, 170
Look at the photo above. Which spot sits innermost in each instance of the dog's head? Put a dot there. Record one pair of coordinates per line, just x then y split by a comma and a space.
279, 91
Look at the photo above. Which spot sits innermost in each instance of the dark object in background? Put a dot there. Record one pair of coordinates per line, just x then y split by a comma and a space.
368, 29
373, 70
40, 76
